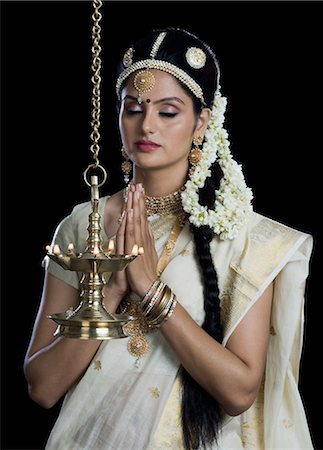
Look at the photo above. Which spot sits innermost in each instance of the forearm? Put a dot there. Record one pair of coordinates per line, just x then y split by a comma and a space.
51, 371
53, 366
219, 371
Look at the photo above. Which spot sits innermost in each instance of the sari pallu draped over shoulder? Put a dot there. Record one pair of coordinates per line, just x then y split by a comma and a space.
118, 405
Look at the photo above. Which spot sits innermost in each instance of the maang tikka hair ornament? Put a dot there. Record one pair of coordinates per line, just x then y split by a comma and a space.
143, 82
233, 198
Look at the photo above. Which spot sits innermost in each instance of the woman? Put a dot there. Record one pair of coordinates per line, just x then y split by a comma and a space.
213, 358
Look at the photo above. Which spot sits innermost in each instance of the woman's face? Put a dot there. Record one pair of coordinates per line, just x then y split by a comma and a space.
157, 133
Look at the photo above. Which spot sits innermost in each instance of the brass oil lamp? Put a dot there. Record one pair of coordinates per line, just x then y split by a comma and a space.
91, 320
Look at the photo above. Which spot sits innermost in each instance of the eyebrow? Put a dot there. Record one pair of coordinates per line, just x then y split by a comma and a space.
162, 100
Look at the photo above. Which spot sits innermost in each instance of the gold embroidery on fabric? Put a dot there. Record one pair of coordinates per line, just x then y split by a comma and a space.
154, 392
265, 248
162, 225
272, 331
97, 365
168, 434
252, 423
267, 243
288, 423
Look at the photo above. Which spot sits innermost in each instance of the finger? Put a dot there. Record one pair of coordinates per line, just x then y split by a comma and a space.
120, 236
129, 201
137, 218
142, 205
151, 234
129, 232
143, 213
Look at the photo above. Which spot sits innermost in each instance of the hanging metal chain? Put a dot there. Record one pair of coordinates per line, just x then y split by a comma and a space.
96, 92
96, 80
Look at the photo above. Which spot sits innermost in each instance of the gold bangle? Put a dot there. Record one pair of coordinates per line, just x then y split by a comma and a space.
160, 308
171, 310
147, 296
160, 319
154, 298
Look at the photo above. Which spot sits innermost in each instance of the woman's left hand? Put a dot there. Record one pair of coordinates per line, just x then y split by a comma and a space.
141, 272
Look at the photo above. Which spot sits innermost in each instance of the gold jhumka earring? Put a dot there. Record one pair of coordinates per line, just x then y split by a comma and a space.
195, 155
91, 320
126, 166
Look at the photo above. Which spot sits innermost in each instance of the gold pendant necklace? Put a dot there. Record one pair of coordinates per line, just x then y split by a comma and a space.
137, 345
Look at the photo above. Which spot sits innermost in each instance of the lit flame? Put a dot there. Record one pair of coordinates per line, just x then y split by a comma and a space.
96, 250
57, 250
70, 247
111, 246
141, 250
47, 248
134, 250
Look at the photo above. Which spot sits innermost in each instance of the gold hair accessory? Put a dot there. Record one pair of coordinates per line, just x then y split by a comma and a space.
127, 58
195, 57
144, 82
195, 155
165, 66
126, 166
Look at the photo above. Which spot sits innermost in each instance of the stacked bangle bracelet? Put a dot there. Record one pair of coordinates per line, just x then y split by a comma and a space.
158, 304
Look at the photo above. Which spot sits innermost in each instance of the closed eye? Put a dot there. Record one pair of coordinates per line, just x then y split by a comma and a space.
131, 112
168, 114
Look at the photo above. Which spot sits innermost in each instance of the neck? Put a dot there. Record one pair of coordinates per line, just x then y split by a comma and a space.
158, 183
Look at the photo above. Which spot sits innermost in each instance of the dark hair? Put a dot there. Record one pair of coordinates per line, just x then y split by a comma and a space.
202, 428
173, 50
201, 413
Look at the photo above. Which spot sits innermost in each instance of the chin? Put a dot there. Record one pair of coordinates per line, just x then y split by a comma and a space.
147, 161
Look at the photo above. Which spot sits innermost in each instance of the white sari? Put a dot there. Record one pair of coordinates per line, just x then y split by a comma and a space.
120, 405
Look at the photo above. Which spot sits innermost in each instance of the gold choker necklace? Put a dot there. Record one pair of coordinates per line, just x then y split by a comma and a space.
167, 204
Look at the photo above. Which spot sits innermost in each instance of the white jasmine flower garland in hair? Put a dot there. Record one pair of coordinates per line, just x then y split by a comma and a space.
233, 199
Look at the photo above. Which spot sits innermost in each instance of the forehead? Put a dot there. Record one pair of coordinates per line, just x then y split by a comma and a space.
165, 85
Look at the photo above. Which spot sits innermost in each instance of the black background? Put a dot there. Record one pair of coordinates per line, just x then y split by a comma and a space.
271, 59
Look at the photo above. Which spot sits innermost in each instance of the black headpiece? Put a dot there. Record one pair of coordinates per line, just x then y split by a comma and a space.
178, 53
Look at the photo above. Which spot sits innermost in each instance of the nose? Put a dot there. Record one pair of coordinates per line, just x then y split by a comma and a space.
148, 122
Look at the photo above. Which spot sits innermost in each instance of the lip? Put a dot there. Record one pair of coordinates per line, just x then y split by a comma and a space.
147, 146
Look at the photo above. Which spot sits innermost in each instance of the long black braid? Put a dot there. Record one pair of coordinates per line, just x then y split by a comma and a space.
201, 413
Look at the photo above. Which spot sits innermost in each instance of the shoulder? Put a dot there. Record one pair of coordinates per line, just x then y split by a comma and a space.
261, 238
266, 229
81, 211
266, 245
76, 222
110, 209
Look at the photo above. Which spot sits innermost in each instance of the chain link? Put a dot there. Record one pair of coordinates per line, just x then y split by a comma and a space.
96, 80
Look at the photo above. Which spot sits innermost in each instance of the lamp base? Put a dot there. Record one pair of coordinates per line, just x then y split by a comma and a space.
91, 328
